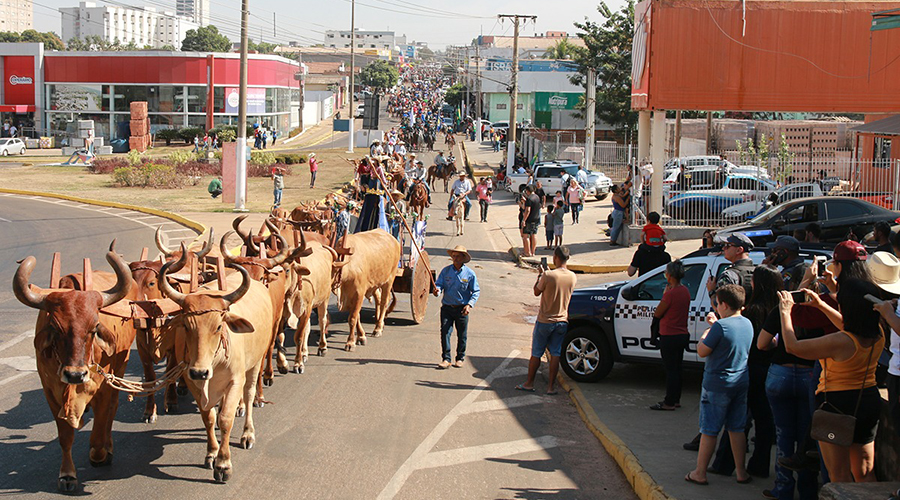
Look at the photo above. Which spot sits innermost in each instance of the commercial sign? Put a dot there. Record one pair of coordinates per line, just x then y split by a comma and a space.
18, 84
497, 64
548, 101
256, 100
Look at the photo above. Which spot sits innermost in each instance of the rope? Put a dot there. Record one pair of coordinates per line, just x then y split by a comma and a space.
141, 388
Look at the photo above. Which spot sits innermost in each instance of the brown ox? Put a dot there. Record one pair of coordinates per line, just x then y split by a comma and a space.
72, 338
369, 274
222, 338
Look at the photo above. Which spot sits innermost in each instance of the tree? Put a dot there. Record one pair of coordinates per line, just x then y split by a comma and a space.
455, 95
379, 74
563, 49
49, 39
608, 50
261, 47
205, 39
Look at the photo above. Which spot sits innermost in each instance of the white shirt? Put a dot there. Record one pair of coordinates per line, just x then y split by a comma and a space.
460, 187
581, 177
894, 366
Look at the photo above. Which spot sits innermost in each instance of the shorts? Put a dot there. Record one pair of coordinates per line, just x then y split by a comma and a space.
558, 229
549, 233
531, 228
548, 336
726, 409
866, 417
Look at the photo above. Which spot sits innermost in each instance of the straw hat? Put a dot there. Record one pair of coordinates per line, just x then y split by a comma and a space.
885, 270
396, 192
460, 249
312, 154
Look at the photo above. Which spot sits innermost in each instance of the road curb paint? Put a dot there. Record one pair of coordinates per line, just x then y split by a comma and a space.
184, 221
641, 481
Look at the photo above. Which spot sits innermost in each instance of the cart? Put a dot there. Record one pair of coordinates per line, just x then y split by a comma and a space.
414, 273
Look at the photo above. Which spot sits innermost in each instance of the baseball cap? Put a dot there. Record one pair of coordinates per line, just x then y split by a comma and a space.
787, 242
740, 240
849, 250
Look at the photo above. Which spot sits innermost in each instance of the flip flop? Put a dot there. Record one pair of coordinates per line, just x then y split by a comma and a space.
689, 479
661, 407
745, 481
552, 393
521, 387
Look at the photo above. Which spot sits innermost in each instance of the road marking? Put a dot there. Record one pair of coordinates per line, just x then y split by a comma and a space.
503, 404
15, 340
20, 363
421, 452
14, 378
494, 450
4, 220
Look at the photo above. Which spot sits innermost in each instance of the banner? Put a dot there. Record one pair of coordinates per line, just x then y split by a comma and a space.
418, 230
18, 84
548, 101
256, 100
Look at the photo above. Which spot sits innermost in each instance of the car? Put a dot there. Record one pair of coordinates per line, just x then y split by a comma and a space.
548, 172
447, 121
707, 203
360, 111
504, 125
610, 323
688, 162
12, 145
837, 215
749, 209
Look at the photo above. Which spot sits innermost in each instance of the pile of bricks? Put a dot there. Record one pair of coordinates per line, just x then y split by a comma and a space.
140, 127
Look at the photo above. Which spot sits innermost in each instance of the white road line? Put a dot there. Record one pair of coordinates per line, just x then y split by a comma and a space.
503, 404
167, 231
15, 340
421, 452
494, 450
4, 220
14, 378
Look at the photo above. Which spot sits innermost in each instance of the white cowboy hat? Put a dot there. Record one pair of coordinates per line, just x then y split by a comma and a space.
885, 270
312, 154
460, 249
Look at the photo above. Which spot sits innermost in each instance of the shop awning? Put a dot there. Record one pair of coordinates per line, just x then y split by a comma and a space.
17, 108
885, 126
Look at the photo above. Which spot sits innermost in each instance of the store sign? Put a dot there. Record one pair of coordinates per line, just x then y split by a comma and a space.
18, 84
21, 80
496, 64
256, 100
548, 101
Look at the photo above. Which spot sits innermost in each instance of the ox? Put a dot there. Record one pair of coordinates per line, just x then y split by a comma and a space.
222, 338
72, 339
252, 241
370, 274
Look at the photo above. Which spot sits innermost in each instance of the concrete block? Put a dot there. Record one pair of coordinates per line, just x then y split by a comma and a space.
32, 143
68, 150
47, 142
76, 142
85, 124
857, 491
103, 150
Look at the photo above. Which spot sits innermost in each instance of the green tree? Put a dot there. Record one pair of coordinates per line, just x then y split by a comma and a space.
205, 39
455, 95
261, 47
563, 49
379, 74
608, 50
49, 39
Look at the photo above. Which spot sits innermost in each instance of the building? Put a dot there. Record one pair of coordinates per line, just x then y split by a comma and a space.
195, 10
381, 43
143, 26
48, 91
16, 15
530, 47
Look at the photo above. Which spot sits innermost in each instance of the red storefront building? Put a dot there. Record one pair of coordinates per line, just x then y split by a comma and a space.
45, 92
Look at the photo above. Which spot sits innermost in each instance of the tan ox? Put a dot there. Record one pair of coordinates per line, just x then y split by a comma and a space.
222, 338
71, 339
369, 274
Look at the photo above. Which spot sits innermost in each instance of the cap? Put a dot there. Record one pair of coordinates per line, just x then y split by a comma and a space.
740, 240
849, 251
788, 243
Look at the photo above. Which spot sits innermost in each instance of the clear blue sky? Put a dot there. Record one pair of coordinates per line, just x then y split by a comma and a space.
439, 23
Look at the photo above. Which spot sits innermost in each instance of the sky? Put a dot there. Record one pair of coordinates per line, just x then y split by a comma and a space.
437, 22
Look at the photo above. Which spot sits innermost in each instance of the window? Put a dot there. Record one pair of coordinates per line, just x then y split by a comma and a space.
196, 99
501, 106
844, 210
882, 152
654, 287
743, 184
805, 212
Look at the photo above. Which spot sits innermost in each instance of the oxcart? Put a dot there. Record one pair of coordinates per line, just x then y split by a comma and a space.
414, 273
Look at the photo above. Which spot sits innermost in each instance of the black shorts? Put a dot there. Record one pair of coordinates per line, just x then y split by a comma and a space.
531, 227
867, 416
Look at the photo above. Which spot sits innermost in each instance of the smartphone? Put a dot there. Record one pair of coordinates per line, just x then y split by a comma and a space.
820, 265
544, 265
799, 296
873, 299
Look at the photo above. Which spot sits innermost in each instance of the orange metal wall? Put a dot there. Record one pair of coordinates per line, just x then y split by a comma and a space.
796, 56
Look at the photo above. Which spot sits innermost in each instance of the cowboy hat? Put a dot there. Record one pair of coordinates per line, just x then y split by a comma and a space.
396, 192
312, 154
460, 249
885, 270
461, 173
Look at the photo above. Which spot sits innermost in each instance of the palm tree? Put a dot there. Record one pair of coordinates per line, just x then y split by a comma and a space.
563, 49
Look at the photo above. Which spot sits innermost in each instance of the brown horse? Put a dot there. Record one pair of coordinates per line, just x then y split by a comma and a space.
435, 172
418, 199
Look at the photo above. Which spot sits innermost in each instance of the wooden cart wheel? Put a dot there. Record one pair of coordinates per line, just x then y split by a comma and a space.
421, 288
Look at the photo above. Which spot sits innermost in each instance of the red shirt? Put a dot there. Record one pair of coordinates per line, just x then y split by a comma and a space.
675, 319
313, 164
653, 235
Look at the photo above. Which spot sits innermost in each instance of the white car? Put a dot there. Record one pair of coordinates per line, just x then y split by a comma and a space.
500, 125
11, 146
360, 111
690, 162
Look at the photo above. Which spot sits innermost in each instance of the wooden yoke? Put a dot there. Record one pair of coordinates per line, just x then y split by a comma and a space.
55, 267
192, 267
87, 276
220, 272
144, 254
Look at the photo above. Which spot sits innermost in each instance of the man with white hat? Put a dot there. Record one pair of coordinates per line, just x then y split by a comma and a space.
460, 287
313, 169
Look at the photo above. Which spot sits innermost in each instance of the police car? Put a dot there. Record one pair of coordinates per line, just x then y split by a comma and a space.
611, 322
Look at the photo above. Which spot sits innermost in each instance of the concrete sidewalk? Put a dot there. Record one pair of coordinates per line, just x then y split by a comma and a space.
591, 252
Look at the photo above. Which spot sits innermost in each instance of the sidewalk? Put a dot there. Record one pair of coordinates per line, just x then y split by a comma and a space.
591, 252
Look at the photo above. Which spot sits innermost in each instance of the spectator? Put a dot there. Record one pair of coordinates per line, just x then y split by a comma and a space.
531, 219
740, 272
575, 197
548, 227
799, 234
786, 254
581, 176
847, 385
278, 182
670, 323
559, 223
215, 187
313, 168
618, 215
723, 399
813, 232
558, 197
652, 234
555, 290
520, 201
709, 239
485, 192
539, 191
460, 287
647, 258
883, 235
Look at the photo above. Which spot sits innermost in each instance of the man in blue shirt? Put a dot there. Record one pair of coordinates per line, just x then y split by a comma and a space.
460, 288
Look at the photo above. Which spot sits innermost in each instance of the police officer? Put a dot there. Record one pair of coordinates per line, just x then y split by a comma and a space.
735, 248
786, 254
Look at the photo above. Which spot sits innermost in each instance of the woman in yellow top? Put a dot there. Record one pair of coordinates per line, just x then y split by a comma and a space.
848, 358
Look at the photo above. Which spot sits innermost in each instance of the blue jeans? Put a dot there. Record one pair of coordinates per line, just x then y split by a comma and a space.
277, 197
468, 205
452, 316
618, 217
787, 388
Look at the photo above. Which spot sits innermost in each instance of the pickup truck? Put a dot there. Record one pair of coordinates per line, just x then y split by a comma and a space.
548, 173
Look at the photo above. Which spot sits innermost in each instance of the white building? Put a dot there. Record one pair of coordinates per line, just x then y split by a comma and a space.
196, 10
143, 26
366, 40
16, 15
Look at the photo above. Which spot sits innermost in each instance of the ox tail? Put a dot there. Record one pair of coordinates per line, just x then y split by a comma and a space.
393, 303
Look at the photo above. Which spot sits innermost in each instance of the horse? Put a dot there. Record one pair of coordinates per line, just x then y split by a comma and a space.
459, 211
436, 172
418, 199
429, 141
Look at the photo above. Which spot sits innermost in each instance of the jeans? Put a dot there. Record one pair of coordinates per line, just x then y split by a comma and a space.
787, 388
466, 200
277, 202
452, 316
618, 217
671, 348
760, 413
484, 209
312, 179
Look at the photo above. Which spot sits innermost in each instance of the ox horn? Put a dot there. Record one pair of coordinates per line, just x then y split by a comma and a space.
163, 283
335, 263
302, 250
124, 283
22, 287
159, 244
226, 255
242, 290
236, 224
283, 254
207, 245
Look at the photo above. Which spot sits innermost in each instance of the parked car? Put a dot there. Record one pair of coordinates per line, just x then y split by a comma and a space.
548, 172
707, 203
749, 209
838, 216
694, 161
500, 126
360, 111
12, 145
610, 323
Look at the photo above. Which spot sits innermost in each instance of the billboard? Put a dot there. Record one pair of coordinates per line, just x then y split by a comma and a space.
256, 100
18, 81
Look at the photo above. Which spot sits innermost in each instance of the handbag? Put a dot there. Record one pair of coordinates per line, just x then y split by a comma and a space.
836, 428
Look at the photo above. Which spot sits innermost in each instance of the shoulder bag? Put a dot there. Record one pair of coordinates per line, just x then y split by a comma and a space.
836, 428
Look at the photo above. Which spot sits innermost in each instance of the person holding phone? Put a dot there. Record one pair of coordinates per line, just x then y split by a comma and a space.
555, 290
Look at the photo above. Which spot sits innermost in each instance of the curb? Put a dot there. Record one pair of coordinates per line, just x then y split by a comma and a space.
641, 481
184, 221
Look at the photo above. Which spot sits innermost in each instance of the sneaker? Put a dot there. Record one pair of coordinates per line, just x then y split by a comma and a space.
769, 494
798, 463
458, 363
443, 365
694, 445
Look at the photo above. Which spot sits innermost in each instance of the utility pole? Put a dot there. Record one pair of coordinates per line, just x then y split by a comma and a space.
352, 62
514, 90
468, 85
240, 176
591, 102
478, 92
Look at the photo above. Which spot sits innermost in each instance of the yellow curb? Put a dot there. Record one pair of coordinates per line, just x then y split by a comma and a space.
600, 269
184, 221
644, 485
